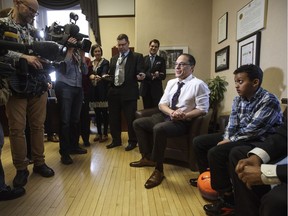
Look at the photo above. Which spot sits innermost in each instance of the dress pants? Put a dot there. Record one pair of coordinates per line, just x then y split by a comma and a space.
16, 110
102, 118
149, 100
155, 128
115, 108
85, 121
261, 200
201, 146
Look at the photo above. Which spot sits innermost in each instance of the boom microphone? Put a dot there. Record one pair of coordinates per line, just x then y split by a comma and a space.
47, 49
8, 45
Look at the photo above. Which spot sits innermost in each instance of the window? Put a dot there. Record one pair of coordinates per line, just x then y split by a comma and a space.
62, 17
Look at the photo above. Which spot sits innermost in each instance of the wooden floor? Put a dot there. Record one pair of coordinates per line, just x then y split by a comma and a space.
101, 183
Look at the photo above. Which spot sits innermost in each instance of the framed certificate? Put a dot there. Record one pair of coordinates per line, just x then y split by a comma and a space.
222, 59
249, 50
222, 28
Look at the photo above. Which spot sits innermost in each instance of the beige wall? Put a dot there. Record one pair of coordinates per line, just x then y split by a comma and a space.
177, 24
273, 54
173, 24
111, 28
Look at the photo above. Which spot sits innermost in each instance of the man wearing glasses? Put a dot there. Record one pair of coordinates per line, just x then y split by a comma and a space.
22, 104
185, 97
126, 69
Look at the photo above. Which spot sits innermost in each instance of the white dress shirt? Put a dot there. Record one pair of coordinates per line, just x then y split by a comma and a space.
194, 94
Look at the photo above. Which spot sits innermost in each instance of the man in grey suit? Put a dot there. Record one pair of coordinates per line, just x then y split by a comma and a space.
126, 68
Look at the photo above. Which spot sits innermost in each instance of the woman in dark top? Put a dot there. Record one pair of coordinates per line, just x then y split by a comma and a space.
98, 73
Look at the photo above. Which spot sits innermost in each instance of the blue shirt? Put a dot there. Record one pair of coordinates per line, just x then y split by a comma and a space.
254, 119
73, 74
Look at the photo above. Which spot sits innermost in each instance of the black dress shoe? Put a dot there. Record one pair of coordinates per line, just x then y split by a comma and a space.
66, 159
130, 146
20, 179
112, 145
78, 151
193, 182
43, 170
10, 194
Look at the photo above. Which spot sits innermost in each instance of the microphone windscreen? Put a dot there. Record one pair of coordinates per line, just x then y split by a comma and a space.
74, 29
46, 49
9, 45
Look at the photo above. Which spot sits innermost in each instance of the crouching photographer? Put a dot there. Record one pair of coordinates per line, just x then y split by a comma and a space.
32, 105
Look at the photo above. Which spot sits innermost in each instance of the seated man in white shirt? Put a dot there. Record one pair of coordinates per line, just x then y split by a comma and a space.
184, 98
252, 177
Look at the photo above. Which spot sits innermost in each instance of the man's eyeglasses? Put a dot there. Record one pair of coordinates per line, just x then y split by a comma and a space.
36, 13
181, 64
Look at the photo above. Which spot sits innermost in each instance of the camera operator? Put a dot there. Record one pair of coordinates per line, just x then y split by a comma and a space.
69, 95
34, 105
6, 192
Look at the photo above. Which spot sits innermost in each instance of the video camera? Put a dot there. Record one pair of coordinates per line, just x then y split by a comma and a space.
50, 51
61, 34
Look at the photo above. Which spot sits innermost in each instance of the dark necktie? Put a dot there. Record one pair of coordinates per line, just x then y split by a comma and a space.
176, 96
152, 58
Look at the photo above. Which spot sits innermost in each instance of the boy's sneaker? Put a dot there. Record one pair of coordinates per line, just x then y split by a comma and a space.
220, 208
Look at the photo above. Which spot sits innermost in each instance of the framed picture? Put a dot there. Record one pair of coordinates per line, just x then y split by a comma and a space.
222, 28
222, 59
249, 50
251, 18
170, 54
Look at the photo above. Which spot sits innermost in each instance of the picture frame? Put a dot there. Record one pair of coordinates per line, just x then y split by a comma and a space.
222, 59
170, 54
249, 50
222, 28
251, 18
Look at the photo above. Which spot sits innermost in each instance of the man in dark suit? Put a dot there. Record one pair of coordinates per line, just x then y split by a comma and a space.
126, 68
252, 177
151, 88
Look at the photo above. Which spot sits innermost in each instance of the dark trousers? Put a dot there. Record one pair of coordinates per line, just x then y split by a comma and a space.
102, 118
217, 156
150, 101
261, 200
116, 107
201, 146
84, 129
155, 128
69, 101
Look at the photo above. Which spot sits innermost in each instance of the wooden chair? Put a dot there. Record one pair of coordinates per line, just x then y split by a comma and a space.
180, 148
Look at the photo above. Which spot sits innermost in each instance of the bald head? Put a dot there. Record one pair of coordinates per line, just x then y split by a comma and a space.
25, 11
